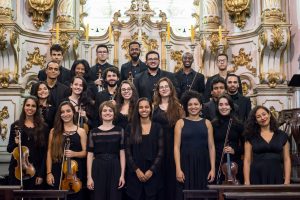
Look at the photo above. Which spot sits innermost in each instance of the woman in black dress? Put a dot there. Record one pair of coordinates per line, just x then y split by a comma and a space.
234, 146
144, 152
194, 149
167, 110
34, 134
125, 100
65, 127
268, 148
106, 156
47, 109
81, 102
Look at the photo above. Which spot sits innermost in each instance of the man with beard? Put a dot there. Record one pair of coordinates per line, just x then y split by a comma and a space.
134, 66
111, 77
187, 78
243, 103
222, 62
102, 65
145, 81
56, 53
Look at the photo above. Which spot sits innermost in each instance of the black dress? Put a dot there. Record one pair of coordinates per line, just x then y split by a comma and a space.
235, 140
106, 167
194, 156
121, 120
37, 155
267, 163
168, 163
75, 145
146, 155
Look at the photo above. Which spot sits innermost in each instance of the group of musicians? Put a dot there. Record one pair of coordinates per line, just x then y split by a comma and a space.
142, 133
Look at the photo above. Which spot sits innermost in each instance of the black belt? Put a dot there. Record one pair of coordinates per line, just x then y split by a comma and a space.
106, 156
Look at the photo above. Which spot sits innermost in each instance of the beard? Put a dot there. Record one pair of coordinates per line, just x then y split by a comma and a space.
153, 69
135, 57
111, 84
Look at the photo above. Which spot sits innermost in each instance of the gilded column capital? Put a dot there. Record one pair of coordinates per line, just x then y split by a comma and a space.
40, 11
272, 11
211, 18
238, 11
65, 14
5, 9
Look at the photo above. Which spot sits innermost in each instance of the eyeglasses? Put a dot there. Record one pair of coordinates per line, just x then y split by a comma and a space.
102, 52
126, 89
152, 59
163, 87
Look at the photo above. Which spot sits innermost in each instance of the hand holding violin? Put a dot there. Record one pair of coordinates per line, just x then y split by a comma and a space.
229, 149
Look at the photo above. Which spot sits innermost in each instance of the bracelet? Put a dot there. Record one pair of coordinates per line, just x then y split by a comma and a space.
49, 173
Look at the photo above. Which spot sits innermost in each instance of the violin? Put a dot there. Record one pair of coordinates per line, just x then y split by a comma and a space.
230, 170
24, 169
81, 122
130, 77
69, 168
100, 87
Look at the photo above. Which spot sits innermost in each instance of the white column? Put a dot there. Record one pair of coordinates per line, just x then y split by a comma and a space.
65, 13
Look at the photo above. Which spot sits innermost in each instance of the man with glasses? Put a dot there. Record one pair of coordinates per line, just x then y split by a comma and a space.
58, 91
222, 62
135, 65
101, 66
56, 53
145, 81
189, 79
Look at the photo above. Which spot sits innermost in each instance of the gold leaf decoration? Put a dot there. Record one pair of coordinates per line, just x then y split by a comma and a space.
4, 114
238, 11
34, 58
242, 59
277, 37
177, 57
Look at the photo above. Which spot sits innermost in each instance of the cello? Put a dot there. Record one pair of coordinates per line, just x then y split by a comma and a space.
70, 181
24, 169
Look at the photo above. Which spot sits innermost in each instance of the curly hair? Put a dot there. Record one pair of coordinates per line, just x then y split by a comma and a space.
120, 99
187, 96
174, 110
86, 68
252, 128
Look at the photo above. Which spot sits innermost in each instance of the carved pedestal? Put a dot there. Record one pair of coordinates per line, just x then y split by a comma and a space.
10, 106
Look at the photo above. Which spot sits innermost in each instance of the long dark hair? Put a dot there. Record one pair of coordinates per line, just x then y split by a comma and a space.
174, 110
36, 89
86, 68
38, 121
136, 127
219, 119
252, 128
133, 99
58, 130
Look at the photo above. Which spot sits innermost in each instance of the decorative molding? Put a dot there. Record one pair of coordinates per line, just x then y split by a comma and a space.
215, 43
4, 114
273, 15
5, 78
137, 8
245, 88
149, 44
272, 79
40, 11
277, 37
34, 58
238, 11
177, 57
243, 59
7, 12
3, 42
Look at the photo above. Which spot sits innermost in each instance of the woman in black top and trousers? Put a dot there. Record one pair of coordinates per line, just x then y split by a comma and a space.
144, 154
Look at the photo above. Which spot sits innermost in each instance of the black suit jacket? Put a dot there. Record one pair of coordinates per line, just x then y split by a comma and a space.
207, 94
244, 105
127, 67
145, 83
93, 73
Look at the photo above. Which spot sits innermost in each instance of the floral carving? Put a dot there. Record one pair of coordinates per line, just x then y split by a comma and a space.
34, 58
277, 37
242, 59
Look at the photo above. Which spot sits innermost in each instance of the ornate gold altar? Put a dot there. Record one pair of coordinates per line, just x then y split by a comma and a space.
258, 45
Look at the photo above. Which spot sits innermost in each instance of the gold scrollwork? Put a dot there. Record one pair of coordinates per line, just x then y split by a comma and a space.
245, 88
273, 15
213, 38
238, 11
4, 78
64, 39
6, 12
243, 59
34, 58
149, 44
277, 37
272, 78
4, 114
177, 57
3, 42
40, 11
